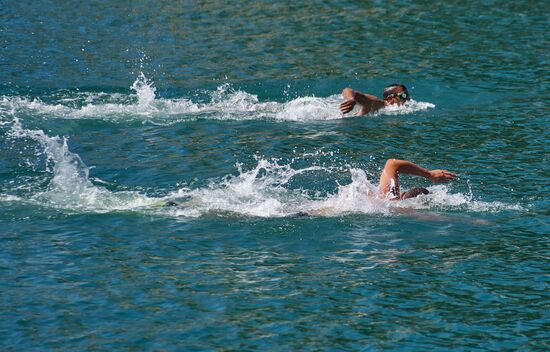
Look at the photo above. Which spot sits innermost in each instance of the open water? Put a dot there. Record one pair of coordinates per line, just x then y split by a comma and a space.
108, 110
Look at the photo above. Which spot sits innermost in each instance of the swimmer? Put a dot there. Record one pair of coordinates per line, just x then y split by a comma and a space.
389, 179
394, 94
389, 184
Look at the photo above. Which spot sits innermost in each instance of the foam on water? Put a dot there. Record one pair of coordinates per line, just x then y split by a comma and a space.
408, 108
225, 103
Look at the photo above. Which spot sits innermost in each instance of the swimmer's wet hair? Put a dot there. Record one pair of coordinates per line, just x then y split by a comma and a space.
414, 192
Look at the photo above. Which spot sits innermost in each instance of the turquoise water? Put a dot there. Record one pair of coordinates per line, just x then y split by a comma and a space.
107, 112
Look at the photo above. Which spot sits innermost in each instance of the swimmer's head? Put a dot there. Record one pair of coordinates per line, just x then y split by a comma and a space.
414, 192
396, 94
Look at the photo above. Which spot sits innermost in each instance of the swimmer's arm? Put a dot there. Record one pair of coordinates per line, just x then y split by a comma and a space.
369, 103
389, 178
407, 167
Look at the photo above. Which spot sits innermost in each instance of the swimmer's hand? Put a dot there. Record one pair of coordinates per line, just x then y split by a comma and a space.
347, 106
441, 176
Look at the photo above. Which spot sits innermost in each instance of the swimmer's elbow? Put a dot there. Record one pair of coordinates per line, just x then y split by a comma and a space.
397, 165
348, 93
392, 163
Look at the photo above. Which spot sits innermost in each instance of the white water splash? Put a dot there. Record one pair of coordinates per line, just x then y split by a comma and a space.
141, 106
360, 196
409, 107
70, 187
145, 91
258, 192
310, 108
441, 196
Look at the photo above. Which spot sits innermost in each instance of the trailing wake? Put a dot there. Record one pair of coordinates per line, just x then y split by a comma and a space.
224, 103
63, 183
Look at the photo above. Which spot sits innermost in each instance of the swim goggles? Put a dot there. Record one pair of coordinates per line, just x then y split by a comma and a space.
401, 95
